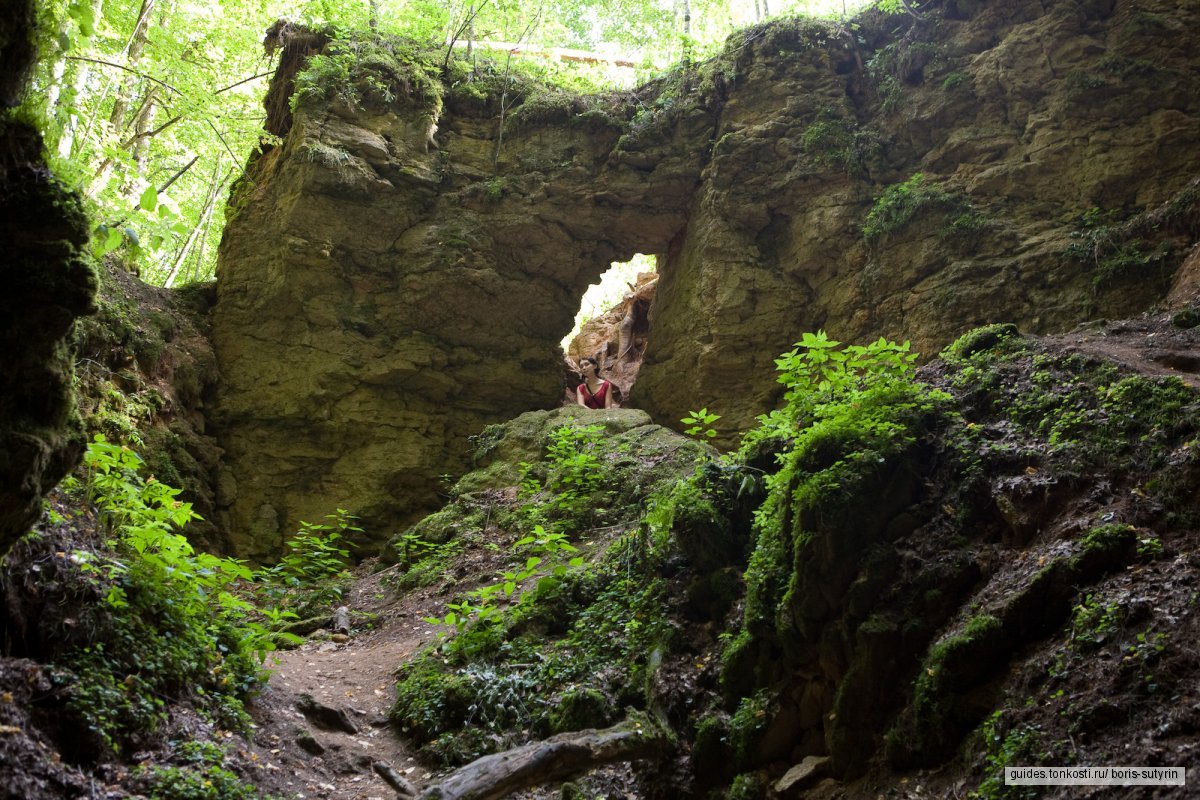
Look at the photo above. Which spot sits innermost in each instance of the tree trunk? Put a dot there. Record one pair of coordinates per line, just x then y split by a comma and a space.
471, 12
140, 144
137, 43
198, 264
82, 70
209, 202
499, 775
685, 7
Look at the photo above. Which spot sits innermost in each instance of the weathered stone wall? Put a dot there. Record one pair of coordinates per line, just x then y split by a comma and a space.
380, 299
1032, 113
47, 284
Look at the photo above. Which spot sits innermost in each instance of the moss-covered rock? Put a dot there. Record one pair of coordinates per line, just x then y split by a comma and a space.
581, 708
145, 373
48, 283
403, 245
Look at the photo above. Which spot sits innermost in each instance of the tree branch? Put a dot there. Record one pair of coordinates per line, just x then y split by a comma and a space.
236, 161
500, 774
466, 24
504, 93
244, 80
178, 175
127, 69
125, 145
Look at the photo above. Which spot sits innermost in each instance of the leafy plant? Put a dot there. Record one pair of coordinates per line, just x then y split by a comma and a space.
1006, 748
574, 473
846, 412
176, 627
547, 548
194, 783
1146, 649
424, 563
143, 515
698, 423
819, 371
901, 203
1093, 623
1149, 547
313, 574
411, 548
955, 79
463, 613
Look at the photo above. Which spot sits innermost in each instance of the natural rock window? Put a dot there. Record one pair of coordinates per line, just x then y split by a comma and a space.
613, 323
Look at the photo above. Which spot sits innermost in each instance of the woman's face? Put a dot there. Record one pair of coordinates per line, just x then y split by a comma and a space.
588, 367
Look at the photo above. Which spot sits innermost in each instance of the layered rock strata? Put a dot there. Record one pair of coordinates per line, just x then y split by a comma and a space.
399, 271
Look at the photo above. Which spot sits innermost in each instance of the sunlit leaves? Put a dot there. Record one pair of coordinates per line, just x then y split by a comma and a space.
149, 199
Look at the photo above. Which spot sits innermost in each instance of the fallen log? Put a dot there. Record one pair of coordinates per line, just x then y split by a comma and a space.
394, 779
557, 758
303, 627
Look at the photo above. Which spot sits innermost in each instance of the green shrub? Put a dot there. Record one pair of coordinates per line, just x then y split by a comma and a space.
314, 574
363, 68
192, 783
1016, 747
749, 786
579, 708
955, 79
900, 204
747, 726
173, 627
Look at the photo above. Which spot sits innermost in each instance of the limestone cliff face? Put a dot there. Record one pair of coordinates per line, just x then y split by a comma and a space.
380, 299
1024, 115
384, 294
48, 283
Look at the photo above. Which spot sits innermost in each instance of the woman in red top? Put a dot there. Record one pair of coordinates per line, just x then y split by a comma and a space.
594, 392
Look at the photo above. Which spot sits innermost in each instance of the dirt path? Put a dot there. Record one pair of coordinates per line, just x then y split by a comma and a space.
328, 752
1148, 345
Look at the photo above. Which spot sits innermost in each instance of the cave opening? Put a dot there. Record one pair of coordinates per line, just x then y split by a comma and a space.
613, 325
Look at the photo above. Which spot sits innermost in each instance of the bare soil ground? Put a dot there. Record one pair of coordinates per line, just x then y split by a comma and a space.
1148, 345
312, 759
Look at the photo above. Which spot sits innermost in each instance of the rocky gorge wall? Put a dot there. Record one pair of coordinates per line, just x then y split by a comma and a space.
397, 273
49, 283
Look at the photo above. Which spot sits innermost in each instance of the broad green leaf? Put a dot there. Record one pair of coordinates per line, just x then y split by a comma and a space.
112, 238
149, 199
84, 17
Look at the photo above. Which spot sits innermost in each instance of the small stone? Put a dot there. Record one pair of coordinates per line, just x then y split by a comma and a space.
309, 744
803, 774
340, 638
326, 716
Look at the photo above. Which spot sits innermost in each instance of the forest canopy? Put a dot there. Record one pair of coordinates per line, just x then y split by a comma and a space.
150, 108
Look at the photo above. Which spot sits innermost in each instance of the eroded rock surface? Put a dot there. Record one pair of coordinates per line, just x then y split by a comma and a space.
48, 284
386, 291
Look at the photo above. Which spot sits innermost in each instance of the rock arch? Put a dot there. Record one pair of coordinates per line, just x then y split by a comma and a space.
382, 297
